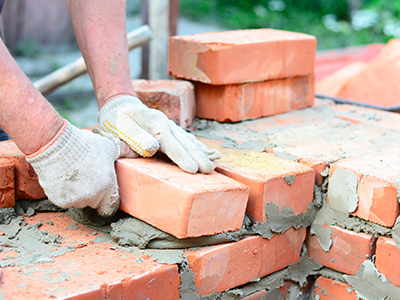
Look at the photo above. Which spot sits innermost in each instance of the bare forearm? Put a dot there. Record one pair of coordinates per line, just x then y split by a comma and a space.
25, 115
100, 28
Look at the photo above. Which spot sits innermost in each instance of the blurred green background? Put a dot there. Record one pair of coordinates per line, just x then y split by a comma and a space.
336, 23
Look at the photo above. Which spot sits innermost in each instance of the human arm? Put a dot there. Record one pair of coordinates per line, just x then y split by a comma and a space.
101, 33
64, 157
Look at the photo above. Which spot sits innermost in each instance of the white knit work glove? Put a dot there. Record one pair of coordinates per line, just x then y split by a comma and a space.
77, 169
147, 130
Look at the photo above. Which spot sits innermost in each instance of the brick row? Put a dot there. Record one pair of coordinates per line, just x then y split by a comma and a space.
226, 266
88, 269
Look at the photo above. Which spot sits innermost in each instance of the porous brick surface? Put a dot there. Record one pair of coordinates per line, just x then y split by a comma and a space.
7, 187
348, 251
237, 102
387, 259
329, 289
87, 269
185, 205
222, 267
272, 180
25, 179
231, 57
377, 185
175, 98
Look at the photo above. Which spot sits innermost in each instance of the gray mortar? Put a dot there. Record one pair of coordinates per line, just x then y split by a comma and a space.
134, 232
281, 220
289, 179
396, 233
370, 284
37, 205
6, 215
343, 191
33, 245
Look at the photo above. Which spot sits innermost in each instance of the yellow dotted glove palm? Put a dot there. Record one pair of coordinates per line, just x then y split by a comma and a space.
148, 130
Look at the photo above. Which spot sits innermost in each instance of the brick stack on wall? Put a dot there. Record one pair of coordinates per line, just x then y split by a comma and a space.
246, 74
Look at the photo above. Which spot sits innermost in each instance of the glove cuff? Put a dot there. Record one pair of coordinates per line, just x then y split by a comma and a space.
65, 141
45, 147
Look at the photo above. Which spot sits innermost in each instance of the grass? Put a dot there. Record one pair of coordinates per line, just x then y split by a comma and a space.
330, 21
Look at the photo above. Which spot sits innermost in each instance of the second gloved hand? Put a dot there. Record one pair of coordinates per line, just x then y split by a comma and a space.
148, 130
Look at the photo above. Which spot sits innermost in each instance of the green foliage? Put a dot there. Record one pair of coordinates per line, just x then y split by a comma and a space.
28, 48
341, 28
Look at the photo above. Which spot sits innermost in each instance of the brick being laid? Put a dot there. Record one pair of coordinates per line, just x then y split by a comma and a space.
387, 259
371, 185
25, 179
185, 205
175, 98
238, 102
231, 57
272, 180
329, 289
226, 266
347, 253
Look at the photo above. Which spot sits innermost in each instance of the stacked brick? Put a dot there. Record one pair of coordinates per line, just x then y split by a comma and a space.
301, 178
246, 74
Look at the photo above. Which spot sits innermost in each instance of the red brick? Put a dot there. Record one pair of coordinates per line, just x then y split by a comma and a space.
265, 175
91, 271
175, 98
377, 83
347, 253
185, 205
282, 250
7, 188
240, 56
377, 187
226, 266
332, 84
328, 289
388, 259
26, 181
237, 102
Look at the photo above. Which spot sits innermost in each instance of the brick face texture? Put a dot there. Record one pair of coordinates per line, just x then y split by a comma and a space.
221, 58
347, 253
24, 180
237, 102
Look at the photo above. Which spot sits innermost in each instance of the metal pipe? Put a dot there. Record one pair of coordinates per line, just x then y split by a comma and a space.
339, 100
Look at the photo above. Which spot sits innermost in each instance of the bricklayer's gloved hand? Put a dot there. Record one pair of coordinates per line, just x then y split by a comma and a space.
76, 168
148, 130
